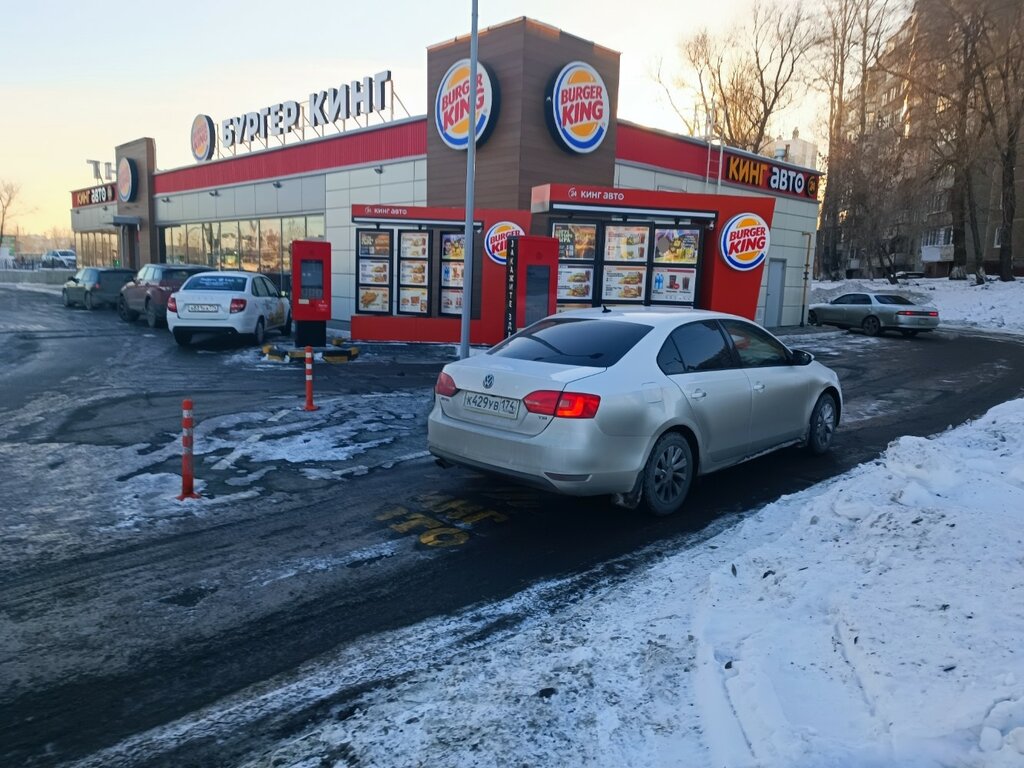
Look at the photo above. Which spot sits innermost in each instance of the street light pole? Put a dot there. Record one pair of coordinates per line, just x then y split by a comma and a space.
468, 252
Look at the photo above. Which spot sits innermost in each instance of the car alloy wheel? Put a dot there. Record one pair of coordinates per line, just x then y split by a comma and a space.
823, 424
152, 320
260, 333
668, 474
812, 318
871, 326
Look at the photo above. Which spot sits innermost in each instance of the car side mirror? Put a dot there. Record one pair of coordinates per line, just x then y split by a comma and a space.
801, 357
284, 294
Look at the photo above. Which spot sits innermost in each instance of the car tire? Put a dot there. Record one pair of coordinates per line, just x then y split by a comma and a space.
812, 318
871, 326
260, 334
824, 418
88, 301
910, 333
124, 313
65, 299
152, 318
182, 337
667, 475
286, 329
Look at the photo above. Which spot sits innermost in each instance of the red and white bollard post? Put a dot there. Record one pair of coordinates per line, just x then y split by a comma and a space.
309, 380
187, 477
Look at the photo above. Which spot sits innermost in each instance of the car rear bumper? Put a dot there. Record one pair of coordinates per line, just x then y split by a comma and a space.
569, 457
915, 323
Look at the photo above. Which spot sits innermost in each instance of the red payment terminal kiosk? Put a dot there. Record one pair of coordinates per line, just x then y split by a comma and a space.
311, 291
531, 280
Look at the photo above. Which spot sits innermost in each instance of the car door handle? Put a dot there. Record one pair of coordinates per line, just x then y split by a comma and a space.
698, 394
759, 387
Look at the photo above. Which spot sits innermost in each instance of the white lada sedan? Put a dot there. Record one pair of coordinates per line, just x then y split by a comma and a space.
227, 302
630, 402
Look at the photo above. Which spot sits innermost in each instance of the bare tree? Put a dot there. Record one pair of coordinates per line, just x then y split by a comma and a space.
9, 192
1001, 80
849, 49
743, 80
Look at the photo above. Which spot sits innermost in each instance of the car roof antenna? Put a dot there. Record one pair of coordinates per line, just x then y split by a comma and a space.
604, 309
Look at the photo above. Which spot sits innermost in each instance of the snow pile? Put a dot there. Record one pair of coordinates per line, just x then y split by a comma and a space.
994, 305
873, 620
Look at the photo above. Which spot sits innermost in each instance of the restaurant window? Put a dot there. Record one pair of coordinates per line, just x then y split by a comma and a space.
174, 239
291, 229
211, 244
194, 245
229, 245
270, 246
315, 227
249, 245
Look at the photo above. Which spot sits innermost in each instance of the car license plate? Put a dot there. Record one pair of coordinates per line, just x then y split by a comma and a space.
498, 406
203, 307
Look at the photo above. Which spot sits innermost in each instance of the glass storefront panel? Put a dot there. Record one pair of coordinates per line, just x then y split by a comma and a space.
194, 244
291, 229
270, 246
249, 245
174, 239
229, 245
211, 245
314, 227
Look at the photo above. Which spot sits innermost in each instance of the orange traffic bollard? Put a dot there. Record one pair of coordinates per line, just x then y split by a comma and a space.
309, 380
187, 478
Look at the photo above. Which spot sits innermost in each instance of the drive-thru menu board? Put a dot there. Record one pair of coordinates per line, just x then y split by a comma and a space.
453, 249
414, 272
373, 256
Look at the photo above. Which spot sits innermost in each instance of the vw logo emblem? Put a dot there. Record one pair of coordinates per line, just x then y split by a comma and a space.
488, 381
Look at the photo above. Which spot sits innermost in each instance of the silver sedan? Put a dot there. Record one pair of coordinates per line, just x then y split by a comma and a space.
631, 402
875, 313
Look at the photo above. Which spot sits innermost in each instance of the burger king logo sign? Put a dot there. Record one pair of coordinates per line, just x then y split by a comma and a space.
451, 106
203, 138
127, 180
745, 241
578, 108
496, 240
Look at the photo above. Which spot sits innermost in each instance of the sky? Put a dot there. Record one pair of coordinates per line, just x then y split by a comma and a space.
870, 621
82, 78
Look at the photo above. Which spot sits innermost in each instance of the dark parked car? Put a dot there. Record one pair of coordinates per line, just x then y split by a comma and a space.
94, 287
147, 293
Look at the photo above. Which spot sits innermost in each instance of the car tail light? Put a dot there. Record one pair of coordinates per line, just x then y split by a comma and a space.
172, 305
445, 385
237, 305
96, 287
908, 313
565, 405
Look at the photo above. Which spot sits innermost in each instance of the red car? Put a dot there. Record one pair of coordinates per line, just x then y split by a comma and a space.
147, 293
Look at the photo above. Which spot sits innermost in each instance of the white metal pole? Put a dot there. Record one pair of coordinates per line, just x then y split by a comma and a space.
468, 250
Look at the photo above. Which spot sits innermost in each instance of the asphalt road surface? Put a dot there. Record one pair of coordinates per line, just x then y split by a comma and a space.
124, 611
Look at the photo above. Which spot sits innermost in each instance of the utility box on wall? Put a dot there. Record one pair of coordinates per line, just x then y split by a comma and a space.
311, 291
531, 281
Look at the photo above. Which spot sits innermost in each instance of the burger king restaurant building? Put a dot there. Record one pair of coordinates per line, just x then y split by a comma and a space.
640, 216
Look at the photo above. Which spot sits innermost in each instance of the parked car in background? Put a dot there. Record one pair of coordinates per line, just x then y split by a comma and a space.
875, 313
632, 402
147, 293
94, 287
59, 259
228, 302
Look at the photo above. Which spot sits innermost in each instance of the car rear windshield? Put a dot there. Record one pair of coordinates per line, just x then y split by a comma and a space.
215, 282
889, 299
565, 341
176, 275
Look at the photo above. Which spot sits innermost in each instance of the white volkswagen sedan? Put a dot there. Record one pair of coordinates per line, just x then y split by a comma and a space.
227, 302
630, 402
